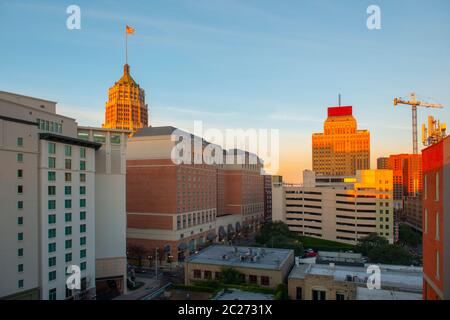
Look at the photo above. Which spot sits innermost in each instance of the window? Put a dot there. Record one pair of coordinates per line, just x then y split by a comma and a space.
82, 228
437, 227
299, 293
19, 204
51, 162
51, 218
425, 221
68, 257
20, 236
20, 157
82, 241
82, 153
52, 261
83, 190
217, 275
52, 275
82, 165
425, 186
265, 281
52, 294
68, 244
20, 252
52, 247
82, 203
83, 266
68, 151
67, 203
340, 296
51, 190
20, 268
83, 215
83, 253
253, 279
319, 295
438, 265
437, 187
19, 141
20, 221
20, 173
67, 190
68, 231
197, 274
82, 177
208, 275
68, 164
19, 189
51, 148
68, 177
20, 283
51, 204
51, 233
68, 216
51, 176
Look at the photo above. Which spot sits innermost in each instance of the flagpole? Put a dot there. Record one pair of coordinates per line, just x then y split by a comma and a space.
126, 47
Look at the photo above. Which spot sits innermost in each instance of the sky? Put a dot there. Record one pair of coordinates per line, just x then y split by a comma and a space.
260, 64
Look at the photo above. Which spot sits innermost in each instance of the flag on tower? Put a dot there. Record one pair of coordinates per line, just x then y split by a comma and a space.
129, 29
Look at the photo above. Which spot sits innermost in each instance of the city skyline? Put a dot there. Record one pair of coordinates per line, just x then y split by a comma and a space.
205, 64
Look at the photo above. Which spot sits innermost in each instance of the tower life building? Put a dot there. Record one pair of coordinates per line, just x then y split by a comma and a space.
341, 149
126, 108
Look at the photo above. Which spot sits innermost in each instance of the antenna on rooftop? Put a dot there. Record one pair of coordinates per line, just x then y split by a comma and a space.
339, 99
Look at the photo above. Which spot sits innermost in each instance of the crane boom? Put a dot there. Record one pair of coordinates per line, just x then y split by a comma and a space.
414, 103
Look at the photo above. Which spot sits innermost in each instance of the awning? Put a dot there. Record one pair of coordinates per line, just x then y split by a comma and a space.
238, 227
166, 248
182, 246
230, 229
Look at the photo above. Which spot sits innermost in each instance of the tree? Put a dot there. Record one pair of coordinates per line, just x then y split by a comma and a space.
230, 276
408, 237
274, 232
281, 292
138, 253
366, 244
390, 254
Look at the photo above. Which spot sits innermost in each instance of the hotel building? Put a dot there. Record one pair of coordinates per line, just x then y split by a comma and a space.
49, 202
337, 208
341, 149
436, 220
174, 209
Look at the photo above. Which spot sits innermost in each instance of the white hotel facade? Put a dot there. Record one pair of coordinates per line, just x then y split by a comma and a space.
48, 204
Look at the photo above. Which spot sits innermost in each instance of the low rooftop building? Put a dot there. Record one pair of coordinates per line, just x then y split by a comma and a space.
266, 267
337, 282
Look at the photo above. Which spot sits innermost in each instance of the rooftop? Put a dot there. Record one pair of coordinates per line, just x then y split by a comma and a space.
367, 294
400, 277
244, 257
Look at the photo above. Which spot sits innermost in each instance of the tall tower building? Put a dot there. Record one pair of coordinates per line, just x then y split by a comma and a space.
126, 108
341, 149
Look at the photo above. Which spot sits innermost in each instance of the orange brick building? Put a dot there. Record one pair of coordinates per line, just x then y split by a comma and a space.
178, 208
341, 149
126, 108
436, 221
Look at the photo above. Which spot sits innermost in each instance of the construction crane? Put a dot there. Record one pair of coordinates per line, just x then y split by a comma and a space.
414, 103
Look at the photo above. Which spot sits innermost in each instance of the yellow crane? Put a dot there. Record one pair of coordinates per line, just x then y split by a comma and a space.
414, 103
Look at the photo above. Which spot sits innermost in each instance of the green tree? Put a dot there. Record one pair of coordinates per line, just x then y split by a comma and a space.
368, 243
230, 276
281, 292
390, 254
408, 237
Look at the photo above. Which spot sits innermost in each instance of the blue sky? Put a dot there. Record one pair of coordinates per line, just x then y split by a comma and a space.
237, 64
